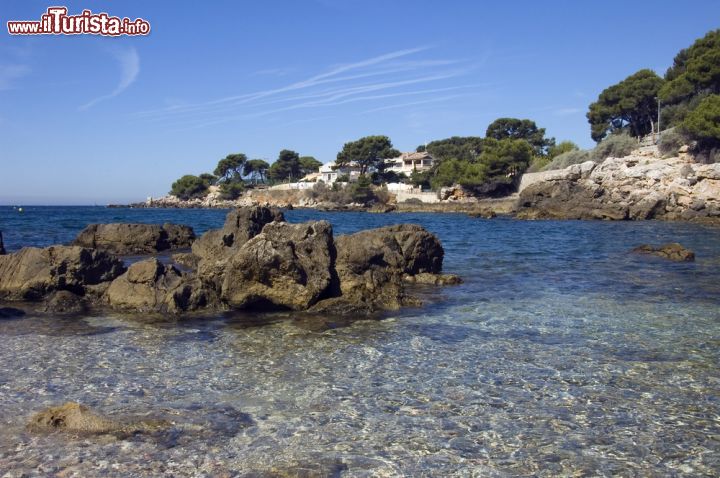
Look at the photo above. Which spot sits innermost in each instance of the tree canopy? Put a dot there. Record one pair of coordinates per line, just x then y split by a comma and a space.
256, 169
308, 165
367, 152
514, 128
229, 168
287, 166
703, 123
189, 187
695, 70
630, 105
467, 148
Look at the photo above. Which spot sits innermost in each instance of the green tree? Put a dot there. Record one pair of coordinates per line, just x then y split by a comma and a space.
309, 165
208, 178
561, 148
466, 148
630, 105
189, 187
367, 152
287, 166
695, 70
231, 189
256, 169
228, 168
703, 124
362, 190
514, 128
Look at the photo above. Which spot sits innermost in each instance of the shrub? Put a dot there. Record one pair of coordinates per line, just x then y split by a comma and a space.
670, 142
413, 201
562, 147
567, 159
189, 187
615, 146
703, 124
231, 190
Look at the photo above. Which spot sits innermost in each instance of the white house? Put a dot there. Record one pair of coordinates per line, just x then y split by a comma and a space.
329, 175
407, 163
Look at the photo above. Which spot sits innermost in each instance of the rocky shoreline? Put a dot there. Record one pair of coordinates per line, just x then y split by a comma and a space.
640, 186
256, 261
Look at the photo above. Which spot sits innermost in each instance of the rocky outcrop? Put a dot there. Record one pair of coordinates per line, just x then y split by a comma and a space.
286, 265
33, 273
73, 417
639, 186
135, 238
672, 251
371, 266
241, 225
256, 261
150, 286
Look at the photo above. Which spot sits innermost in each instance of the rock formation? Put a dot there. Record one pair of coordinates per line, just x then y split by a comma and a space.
33, 273
255, 261
73, 417
672, 251
135, 238
639, 186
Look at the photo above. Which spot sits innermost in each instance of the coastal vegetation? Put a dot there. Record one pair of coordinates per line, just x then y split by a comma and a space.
686, 100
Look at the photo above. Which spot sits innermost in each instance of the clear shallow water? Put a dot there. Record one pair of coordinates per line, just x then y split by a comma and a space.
561, 355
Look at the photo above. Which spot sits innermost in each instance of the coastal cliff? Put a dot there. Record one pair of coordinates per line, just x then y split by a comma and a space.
639, 186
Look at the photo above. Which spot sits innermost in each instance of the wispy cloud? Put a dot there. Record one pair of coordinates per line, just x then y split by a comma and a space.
567, 111
129, 62
9, 73
374, 79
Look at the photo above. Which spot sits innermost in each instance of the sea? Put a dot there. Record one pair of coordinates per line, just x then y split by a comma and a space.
561, 354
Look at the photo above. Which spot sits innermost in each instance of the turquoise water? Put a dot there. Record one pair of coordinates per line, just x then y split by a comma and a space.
561, 355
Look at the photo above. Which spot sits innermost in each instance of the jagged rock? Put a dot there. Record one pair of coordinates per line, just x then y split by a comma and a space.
241, 225
186, 259
64, 302
672, 251
151, 286
286, 265
73, 417
135, 238
433, 279
371, 264
638, 186
33, 273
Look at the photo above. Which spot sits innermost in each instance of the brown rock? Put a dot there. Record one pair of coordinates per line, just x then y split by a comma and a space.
135, 238
672, 251
241, 225
150, 286
371, 264
286, 265
32, 273
73, 417
433, 279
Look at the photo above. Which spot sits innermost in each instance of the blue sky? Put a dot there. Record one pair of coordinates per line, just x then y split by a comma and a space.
87, 119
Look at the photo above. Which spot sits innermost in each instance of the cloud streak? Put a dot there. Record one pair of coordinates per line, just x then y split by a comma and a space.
374, 79
129, 62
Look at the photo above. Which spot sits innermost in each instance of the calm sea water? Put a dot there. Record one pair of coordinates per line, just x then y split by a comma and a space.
561, 355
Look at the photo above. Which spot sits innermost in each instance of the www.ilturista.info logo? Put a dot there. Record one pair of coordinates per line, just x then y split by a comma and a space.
57, 22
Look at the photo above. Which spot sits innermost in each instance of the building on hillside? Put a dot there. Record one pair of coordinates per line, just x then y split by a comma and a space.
407, 163
328, 173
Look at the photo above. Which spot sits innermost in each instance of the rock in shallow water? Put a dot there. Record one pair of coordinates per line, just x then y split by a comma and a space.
33, 273
673, 251
257, 260
135, 238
